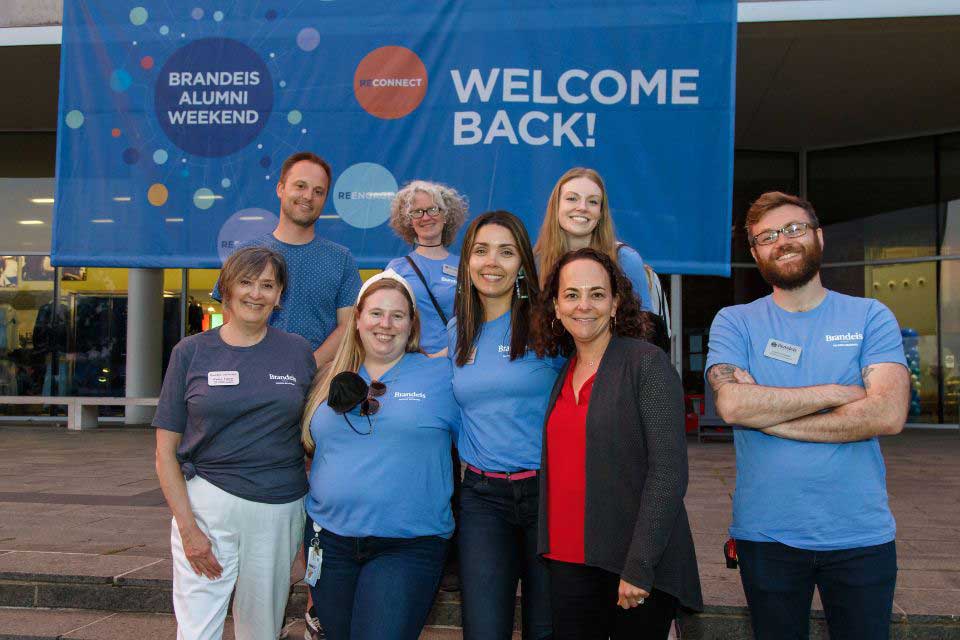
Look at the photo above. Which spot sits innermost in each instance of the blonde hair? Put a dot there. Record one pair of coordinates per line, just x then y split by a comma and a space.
452, 204
350, 355
552, 241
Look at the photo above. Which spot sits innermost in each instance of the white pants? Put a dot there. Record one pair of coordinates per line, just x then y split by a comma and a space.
255, 544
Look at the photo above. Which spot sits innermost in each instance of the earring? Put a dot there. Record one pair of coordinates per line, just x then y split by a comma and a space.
613, 323
553, 328
521, 295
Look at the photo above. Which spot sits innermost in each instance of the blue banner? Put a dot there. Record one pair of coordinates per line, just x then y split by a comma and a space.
176, 116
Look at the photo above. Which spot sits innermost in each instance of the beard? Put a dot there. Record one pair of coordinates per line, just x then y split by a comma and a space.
792, 276
299, 217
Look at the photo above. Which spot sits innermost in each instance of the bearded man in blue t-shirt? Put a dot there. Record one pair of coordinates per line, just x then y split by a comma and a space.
811, 378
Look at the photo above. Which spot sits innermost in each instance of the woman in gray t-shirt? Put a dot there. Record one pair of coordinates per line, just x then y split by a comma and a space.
229, 457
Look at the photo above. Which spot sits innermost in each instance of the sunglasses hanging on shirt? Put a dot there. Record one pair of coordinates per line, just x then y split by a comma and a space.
348, 390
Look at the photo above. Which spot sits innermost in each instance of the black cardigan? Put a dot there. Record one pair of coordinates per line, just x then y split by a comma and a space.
635, 524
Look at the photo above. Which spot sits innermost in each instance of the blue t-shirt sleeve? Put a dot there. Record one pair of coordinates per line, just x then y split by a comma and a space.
350, 284
451, 414
632, 265
172, 406
882, 341
728, 344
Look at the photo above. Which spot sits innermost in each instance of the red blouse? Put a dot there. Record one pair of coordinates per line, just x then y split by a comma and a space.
567, 469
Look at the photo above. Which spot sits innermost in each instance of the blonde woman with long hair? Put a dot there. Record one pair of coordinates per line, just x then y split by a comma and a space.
578, 216
379, 423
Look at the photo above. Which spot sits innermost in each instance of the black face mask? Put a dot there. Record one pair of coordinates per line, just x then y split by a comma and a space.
347, 390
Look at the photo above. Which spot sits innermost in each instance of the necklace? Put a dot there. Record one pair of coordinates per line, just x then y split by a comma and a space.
430, 246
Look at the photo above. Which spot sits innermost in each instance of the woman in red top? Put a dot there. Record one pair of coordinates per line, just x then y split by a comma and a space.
612, 522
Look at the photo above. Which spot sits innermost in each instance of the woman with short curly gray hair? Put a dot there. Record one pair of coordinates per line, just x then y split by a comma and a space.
428, 216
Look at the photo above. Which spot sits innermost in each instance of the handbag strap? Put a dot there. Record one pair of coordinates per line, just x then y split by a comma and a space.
436, 305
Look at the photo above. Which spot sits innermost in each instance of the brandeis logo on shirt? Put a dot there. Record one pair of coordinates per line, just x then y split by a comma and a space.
283, 379
410, 395
849, 339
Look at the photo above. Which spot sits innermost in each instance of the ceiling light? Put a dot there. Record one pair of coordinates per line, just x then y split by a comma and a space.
30, 221
41, 200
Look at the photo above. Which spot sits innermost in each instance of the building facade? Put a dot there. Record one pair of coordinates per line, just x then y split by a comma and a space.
852, 104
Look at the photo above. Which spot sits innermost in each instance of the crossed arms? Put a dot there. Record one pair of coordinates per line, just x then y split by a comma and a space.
822, 413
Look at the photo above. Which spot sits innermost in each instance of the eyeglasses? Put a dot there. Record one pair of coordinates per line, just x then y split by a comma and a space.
433, 212
369, 406
792, 230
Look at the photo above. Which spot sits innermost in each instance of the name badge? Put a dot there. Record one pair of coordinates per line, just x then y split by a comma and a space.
782, 351
314, 558
223, 378
450, 270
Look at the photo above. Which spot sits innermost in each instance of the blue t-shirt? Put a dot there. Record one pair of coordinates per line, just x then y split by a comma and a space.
322, 277
503, 402
632, 265
238, 410
397, 481
817, 496
441, 275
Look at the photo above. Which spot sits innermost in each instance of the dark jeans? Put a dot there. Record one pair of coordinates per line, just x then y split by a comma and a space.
498, 546
375, 588
856, 588
584, 601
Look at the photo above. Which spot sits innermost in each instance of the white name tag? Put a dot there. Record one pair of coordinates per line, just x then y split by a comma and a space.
223, 378
782, 351
450, 270
314, 563
314, 558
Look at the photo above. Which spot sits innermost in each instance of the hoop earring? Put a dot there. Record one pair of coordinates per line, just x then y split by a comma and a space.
553, 328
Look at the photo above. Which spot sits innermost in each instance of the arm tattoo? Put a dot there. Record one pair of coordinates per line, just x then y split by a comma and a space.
865, 373
720, 374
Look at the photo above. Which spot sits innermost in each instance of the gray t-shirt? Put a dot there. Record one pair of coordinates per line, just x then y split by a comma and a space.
239, 411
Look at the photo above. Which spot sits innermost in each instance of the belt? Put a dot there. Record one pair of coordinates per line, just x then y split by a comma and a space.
504, 475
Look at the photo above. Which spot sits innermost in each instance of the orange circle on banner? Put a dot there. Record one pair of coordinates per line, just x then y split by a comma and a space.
390, 82
115, 132
157, 194
146, 62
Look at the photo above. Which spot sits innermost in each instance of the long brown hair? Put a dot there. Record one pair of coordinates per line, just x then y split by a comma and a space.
552, 339
552, 241
469, 308
350, 355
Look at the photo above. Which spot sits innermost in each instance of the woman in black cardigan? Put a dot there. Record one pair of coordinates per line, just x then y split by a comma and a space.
614, 469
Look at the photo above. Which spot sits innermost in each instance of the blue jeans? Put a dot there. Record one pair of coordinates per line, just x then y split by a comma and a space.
375, 588
856, 588
498, 546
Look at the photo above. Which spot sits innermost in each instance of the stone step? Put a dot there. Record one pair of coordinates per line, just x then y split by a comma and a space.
80, 587
77, 624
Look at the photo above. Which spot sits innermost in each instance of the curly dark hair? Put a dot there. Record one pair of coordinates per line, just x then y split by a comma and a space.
551, 339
